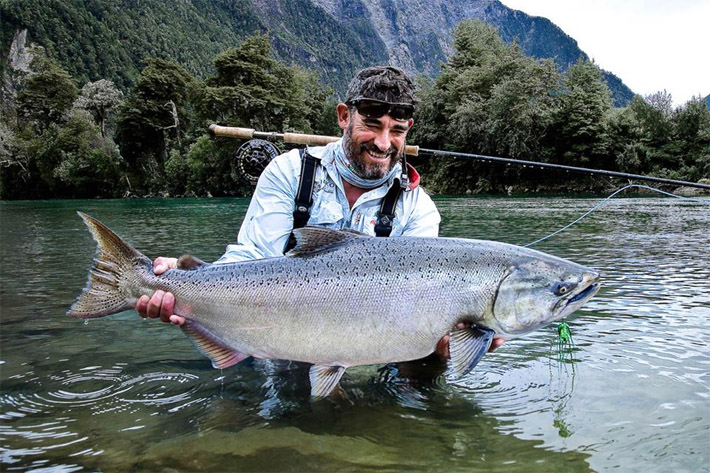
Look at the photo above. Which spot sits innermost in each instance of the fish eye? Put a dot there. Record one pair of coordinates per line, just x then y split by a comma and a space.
562, 288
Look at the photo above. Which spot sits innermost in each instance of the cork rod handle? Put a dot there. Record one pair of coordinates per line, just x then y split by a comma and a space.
295, 138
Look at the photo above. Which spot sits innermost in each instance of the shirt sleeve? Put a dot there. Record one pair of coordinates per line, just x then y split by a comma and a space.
424, 219
269, 218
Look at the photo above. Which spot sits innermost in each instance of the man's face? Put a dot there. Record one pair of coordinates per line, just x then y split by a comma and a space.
372, 145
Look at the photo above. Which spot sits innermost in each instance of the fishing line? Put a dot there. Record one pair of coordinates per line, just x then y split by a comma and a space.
604, 201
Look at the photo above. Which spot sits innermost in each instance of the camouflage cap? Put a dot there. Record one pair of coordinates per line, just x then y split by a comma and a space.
383, 84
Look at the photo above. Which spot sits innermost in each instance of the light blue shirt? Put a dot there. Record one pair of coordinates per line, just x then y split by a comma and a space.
269, 219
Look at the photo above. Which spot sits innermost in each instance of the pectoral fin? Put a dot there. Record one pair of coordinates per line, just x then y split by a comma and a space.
467, 347
324, 379
221, 355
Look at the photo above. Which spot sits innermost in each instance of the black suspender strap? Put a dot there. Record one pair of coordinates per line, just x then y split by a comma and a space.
304, 199
385, 216
304, 195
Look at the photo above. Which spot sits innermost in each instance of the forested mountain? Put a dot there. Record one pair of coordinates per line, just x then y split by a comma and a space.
102, 39
62, 135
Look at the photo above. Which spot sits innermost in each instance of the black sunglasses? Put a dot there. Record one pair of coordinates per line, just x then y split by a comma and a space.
373, 109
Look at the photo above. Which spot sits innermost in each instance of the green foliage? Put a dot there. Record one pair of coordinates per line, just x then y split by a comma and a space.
53, 150
87, 164
70, 159
304, 33
491, 99
207, 169
109, 40
48, 94
160, 126
579, 133
650, 136
252, 89
152, 122
97, 39
99, 98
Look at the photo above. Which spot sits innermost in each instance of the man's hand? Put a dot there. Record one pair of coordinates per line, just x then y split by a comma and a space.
442, 348
161, 303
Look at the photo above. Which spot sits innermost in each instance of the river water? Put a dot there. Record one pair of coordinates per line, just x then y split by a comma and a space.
120, 393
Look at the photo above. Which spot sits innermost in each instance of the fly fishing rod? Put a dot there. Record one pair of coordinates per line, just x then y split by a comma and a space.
413, 150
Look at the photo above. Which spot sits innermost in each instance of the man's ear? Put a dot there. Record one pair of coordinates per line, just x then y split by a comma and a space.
344, 115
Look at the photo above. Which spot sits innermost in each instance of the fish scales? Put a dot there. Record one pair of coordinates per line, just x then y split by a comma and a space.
328, 307
341, 299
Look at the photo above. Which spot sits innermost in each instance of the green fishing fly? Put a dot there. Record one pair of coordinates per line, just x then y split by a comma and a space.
565, 344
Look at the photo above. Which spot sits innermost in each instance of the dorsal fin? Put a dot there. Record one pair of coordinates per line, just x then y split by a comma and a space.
310, 240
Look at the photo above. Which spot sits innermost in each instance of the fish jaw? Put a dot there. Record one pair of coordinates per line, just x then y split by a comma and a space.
540, 291
587, 289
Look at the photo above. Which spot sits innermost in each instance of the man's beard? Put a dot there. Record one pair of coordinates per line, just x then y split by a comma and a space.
354, 152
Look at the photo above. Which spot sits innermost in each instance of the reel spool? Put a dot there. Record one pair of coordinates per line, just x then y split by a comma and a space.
252, 158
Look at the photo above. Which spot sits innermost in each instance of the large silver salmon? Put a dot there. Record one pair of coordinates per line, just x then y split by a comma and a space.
341, 298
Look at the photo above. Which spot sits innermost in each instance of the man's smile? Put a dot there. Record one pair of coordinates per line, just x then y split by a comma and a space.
377, 155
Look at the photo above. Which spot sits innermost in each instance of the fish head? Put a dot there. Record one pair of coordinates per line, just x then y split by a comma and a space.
538, 291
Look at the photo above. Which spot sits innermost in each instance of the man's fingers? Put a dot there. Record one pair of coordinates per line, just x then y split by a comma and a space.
442, 348
496, 343
154, 304
166, 309
162, 264
160, 304
177, 320
142, 306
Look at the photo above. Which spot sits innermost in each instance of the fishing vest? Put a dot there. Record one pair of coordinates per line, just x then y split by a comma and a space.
304, 198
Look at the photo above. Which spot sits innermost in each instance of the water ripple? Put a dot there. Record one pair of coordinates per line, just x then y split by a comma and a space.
88, 391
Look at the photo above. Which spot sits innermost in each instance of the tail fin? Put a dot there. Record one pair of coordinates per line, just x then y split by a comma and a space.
115, 261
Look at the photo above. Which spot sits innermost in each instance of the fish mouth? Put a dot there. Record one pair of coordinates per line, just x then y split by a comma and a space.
585, 294
567, 306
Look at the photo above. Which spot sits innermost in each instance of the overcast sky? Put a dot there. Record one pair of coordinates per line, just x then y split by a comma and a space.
650, 45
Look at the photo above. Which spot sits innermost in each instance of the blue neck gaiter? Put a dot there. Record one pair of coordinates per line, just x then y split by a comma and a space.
347, 172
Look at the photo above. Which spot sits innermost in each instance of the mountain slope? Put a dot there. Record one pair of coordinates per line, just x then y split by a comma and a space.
95, 39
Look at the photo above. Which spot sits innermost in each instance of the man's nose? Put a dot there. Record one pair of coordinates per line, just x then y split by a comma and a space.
383, 140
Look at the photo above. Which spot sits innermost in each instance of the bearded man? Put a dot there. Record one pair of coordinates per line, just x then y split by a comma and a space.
359, 182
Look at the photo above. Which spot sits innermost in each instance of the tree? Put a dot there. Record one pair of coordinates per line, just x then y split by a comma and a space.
654, 114
87, 164
250, 88
14, 166
155, 114
99, 98
490, 99
691, 127
49, 92
625, 133
580, 125
8, 146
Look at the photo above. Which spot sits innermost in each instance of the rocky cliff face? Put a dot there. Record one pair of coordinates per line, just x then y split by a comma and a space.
416, 33
19, 58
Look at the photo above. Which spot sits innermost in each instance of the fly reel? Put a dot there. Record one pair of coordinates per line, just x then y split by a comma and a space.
252, 158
